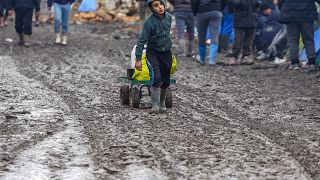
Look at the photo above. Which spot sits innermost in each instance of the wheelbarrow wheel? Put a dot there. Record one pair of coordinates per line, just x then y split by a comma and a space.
134, 97
124, 95
169, 98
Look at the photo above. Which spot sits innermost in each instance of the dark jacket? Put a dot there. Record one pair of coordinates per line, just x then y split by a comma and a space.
59, 2
245, 13
156, 33
181, 5
298, 11
200, 6
29, 4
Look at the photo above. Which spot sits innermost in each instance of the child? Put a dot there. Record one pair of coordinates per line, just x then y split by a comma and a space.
62, 10
156, 33
23, 23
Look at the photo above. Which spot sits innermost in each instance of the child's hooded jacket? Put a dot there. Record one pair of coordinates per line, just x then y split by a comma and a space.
155, 33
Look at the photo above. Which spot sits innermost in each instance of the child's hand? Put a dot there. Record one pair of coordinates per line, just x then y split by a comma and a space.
10, 13
138, 65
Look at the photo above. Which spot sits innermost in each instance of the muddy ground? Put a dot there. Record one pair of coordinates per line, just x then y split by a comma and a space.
61, 116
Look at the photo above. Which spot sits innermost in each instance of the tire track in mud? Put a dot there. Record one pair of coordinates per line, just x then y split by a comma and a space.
299, 139
128, 144
35, 144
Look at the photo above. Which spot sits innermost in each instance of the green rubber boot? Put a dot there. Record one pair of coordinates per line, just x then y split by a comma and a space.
163, 95
155, 98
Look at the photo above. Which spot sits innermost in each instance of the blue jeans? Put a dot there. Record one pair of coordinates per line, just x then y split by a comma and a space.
61, 16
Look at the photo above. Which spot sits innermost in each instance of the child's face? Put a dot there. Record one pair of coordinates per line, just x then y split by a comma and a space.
158, 7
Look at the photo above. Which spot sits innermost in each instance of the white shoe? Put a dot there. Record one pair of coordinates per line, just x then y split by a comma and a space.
58, 38
64, 40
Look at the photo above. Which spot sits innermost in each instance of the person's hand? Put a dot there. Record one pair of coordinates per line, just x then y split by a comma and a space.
138, 65
49, 8
275, 2
10, 13
37, 13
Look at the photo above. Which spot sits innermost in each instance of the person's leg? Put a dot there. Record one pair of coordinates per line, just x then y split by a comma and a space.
247, 46
214, 29
248, 41
307, 33
57, 21
65, 22
1, 13
293, 37
65, 17
27, 26
27, 22
19, 20
190, 30
19, 24
153, 59
5, 16
57, 17
180, 24
165, 67
236, 46
202, 27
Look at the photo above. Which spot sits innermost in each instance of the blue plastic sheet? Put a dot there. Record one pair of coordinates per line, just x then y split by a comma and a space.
303, 54
88, 6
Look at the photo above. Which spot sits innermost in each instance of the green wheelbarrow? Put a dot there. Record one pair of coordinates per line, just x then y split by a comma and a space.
131, 92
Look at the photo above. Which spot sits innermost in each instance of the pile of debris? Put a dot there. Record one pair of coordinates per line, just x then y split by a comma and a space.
123, 13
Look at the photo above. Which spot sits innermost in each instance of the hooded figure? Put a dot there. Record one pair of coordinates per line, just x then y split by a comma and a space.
156, 34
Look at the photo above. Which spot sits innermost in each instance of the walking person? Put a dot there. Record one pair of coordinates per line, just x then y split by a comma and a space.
37, 17
3, 13
299, 17
61, 10
23, 23
208, 15
245, 22
185, 22
156, 34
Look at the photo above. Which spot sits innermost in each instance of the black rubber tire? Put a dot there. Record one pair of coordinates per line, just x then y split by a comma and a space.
169, 101
124, 95
134, 97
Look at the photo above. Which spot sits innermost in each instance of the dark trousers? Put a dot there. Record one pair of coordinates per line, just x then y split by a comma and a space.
24, 21
243, 39
161, 63
307, 32
185, 20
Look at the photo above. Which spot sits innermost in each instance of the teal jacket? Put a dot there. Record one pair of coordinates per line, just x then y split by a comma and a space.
156, 34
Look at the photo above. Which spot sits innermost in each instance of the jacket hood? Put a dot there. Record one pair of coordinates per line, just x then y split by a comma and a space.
150, 1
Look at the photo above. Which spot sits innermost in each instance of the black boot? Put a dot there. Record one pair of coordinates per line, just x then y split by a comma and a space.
21, 40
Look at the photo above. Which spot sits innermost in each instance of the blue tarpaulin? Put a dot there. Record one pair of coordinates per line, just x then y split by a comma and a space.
303, 54
88, 6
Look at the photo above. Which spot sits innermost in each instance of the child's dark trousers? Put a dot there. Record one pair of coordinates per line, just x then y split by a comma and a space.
161, 63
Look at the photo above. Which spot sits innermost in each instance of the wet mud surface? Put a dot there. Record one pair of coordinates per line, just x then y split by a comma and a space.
61, 116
